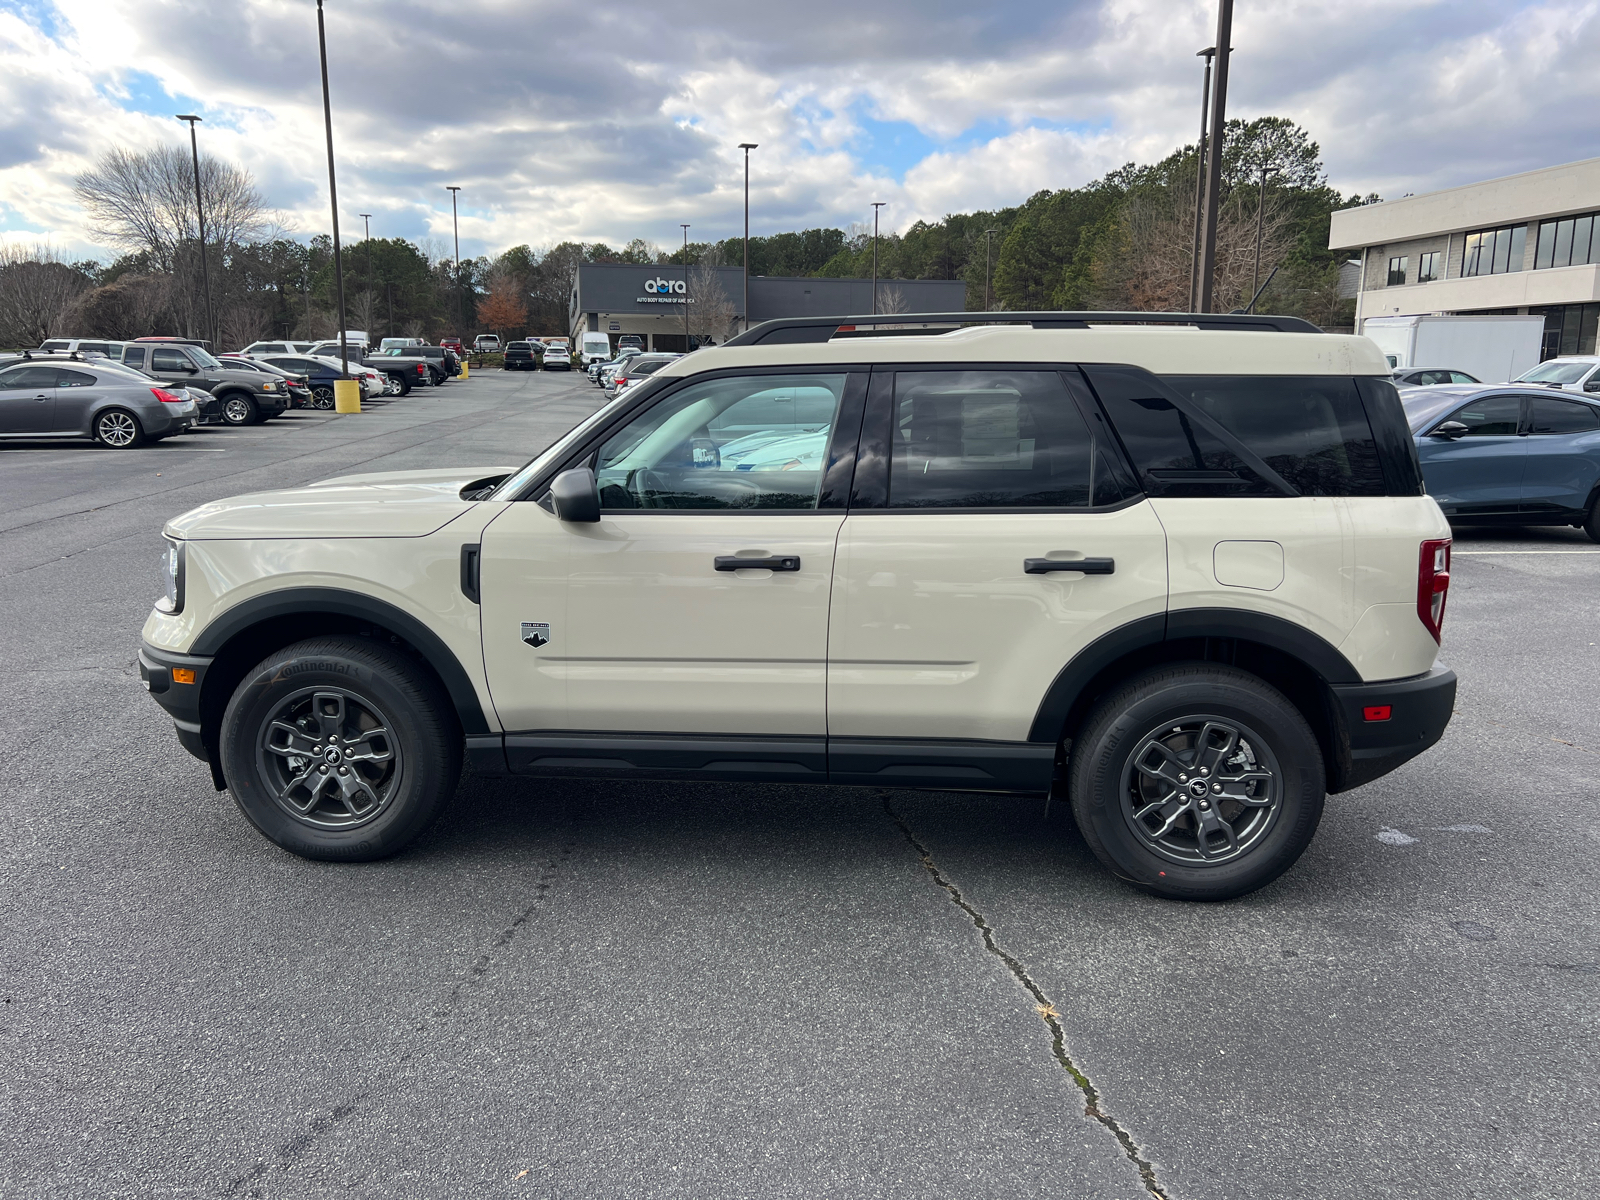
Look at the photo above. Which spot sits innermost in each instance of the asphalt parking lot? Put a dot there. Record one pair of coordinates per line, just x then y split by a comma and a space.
673, 990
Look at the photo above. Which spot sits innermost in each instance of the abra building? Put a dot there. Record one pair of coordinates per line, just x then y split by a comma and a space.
653, 301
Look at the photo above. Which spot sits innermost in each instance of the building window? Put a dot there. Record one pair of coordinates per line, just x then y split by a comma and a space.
1495, 251
1568, 328
1568, 242
1428, 267
1397, 271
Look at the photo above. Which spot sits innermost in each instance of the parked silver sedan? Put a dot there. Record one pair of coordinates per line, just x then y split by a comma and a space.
47, 397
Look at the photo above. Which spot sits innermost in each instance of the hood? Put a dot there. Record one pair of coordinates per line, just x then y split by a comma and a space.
390, 504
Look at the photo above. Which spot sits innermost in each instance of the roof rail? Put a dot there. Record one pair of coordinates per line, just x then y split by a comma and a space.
790, 330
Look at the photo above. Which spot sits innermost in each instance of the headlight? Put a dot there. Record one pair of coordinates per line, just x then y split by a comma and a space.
172, 578
269, 386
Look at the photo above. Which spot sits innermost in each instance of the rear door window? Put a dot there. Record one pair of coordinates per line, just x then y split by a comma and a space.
1563, 416
995, 439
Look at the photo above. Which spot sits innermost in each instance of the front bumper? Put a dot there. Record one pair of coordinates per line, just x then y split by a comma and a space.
1382, 725
161, 671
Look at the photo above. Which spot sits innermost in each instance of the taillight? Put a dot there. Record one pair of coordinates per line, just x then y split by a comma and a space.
167, 397
1433, 583
419, 369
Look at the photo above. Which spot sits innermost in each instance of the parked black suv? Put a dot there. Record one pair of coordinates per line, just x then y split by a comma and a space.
247, 397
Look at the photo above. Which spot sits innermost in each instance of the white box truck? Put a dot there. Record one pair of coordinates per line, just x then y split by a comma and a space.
1493, 349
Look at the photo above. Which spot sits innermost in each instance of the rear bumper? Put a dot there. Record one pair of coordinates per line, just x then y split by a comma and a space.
1371, 744
180, 700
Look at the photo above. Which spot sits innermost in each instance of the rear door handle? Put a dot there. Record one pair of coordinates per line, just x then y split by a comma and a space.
780, 562
1089, 566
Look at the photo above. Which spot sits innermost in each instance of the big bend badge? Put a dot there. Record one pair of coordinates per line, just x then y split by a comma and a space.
536, 633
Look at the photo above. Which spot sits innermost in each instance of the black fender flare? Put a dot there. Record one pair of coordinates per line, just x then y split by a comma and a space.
1317, 653
290, 601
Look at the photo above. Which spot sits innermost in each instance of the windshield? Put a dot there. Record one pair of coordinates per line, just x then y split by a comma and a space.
1424, 407
1555, 371
515, 483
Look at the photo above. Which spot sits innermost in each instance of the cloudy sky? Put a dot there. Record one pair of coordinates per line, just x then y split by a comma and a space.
616, 119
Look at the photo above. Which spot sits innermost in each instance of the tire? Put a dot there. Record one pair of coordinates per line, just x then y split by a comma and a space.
239, 409
118, 429
402, 385
1591, 522
366, 695
322, 397
1145, 826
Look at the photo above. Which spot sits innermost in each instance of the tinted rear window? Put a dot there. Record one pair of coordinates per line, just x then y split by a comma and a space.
1312, 430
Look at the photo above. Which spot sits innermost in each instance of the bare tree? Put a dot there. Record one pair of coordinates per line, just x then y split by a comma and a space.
36, 291
711, 313
133, 306
144, 200
1142, 263
893, 300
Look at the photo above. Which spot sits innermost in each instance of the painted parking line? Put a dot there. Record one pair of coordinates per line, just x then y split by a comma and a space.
1489, 553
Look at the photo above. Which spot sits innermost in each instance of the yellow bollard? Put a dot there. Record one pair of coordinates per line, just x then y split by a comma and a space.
463, 368
346, 396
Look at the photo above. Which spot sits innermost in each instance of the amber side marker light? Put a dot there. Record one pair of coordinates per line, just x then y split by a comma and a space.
186, 675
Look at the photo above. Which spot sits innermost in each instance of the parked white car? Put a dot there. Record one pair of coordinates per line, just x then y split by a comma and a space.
1569, 372
557, 356
372, 382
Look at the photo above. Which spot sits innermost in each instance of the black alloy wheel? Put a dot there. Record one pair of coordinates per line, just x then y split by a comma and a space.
239, 409
118, 429
1197, 782
340, 748
322, 397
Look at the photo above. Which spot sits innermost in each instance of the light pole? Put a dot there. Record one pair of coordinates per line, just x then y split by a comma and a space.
1261, 209
1200, 174
988, 259
455, 224
1219, 122
685, 289
876, 205
333, 194
200, 210
366, 237
747, 147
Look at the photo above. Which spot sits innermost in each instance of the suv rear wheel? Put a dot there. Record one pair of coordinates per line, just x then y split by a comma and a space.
338, 748
1197, 782
1591, 522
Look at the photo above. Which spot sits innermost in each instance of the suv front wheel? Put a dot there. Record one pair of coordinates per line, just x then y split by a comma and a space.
239, 409
1197, 782
338, 748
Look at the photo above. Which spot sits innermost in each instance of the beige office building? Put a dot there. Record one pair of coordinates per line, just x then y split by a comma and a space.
1526, 243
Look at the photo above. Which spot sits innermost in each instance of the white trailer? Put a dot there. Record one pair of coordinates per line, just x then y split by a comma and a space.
1493, 349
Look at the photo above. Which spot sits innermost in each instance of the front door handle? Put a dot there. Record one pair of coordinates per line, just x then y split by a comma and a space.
779, 562
1089, 566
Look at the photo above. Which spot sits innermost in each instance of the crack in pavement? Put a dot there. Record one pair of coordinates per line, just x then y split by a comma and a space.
1092, 1106
297, 1147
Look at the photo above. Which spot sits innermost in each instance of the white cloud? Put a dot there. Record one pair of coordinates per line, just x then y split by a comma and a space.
606, 123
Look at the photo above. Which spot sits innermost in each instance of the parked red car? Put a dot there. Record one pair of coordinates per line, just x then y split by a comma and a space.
455, 344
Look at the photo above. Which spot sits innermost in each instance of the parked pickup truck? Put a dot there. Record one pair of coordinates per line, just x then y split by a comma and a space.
420, 368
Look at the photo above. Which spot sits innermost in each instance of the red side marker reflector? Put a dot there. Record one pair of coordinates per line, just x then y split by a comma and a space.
1377, 712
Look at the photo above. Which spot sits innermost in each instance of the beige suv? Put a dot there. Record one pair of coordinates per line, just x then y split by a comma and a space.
1178, 570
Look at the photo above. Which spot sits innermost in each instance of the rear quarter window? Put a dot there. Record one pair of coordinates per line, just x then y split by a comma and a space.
1312, 430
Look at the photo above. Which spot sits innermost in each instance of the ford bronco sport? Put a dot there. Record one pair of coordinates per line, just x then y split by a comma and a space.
1178, 570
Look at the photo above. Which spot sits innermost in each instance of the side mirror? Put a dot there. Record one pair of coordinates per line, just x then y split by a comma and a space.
191, 368
1450, 430
1593, 385
575, 496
